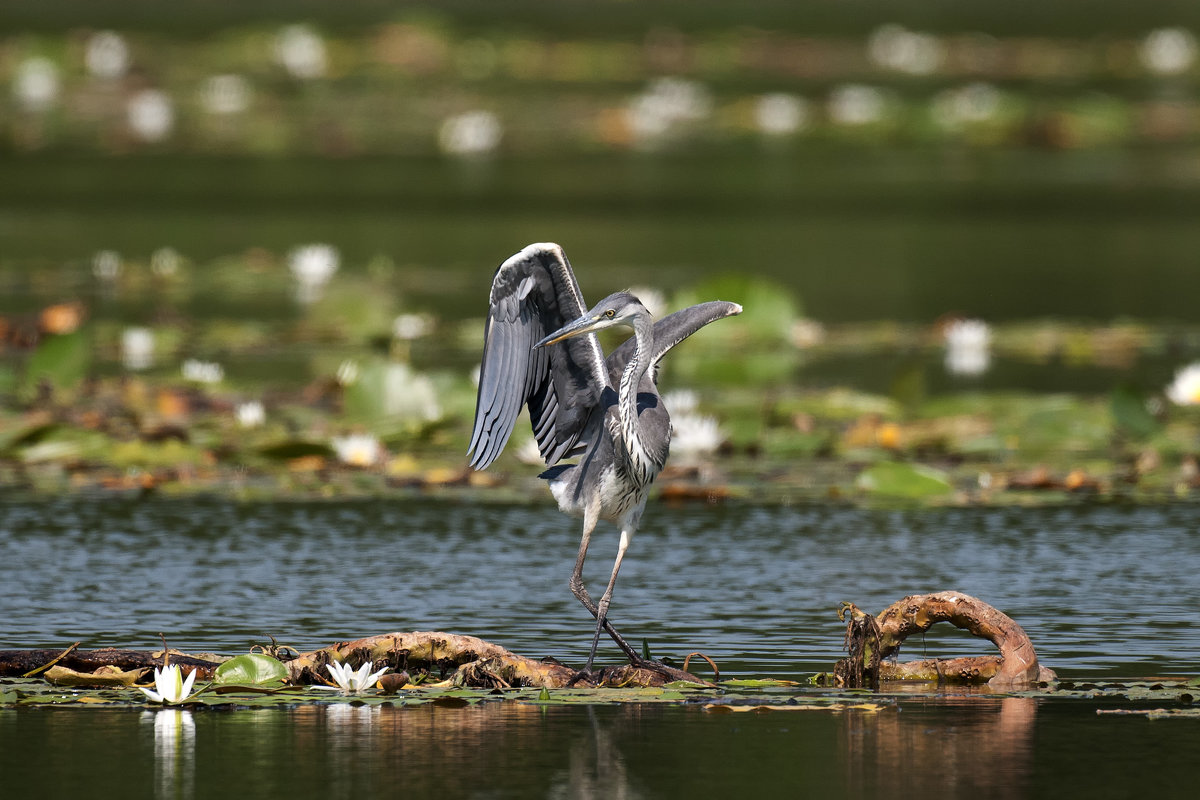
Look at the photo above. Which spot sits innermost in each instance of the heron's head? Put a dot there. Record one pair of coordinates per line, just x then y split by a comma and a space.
619, 308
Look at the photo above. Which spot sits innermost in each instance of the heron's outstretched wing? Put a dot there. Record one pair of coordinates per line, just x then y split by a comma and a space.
670, 331
534, 293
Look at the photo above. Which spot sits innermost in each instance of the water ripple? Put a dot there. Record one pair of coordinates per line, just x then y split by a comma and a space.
1101, 590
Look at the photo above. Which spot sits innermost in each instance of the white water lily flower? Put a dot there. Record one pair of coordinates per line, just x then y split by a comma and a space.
202, 371
251, 414
169, 685
350, 681
967, 347
1185, 389
357, 449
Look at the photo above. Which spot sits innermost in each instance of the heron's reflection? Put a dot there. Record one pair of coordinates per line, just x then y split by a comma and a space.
174, 753
595, 766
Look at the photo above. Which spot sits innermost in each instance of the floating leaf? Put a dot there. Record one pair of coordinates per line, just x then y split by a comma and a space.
103, 676
896, 479
1130, 414
250, 669
285, 451
62, 360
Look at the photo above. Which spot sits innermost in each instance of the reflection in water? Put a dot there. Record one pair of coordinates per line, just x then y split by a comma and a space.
174, 753
953, 747
595, 767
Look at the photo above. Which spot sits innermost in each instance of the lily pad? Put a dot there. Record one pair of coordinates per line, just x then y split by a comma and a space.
60, 359
250, 669
911, 481
285, 451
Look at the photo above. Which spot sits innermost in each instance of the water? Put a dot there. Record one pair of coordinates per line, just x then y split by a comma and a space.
1103, 592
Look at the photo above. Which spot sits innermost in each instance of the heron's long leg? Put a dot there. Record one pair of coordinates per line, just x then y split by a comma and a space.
602, 610
581, 592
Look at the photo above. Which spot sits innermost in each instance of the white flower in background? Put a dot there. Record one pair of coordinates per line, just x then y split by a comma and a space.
409, 394
1185, 389
165, 262
225, 94
301, 51
893, 47
974, 103
151, 115
357, 449
681, 401
780, 114
806, 333
137, 348
35, 84
203, 371
653, 299
475, 373
967, 347
106, 55
106, 265
693, 434
313, 265
251, 414
473, 133
528, 453
412, 326
169, 685
350, 681
347, 372
666, 103
856, 104
1169, 51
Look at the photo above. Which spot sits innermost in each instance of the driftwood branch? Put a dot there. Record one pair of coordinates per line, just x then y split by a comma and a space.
469, 661
872, 639
21, 662
463, 660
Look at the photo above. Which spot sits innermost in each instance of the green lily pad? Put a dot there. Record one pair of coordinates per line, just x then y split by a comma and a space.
250, 669
285, 451
60, 359
911, 481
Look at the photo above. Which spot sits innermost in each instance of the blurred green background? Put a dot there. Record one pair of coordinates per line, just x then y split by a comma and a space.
861, 174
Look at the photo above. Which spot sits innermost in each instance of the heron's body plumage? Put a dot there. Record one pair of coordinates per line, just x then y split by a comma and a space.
541, 352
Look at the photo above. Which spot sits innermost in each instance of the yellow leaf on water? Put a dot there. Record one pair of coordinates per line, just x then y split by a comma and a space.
103, 676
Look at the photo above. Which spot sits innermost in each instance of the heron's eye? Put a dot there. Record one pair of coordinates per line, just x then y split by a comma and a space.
610, 313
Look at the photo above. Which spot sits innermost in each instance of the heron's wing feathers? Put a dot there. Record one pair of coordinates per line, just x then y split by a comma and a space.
534, 293
670, 331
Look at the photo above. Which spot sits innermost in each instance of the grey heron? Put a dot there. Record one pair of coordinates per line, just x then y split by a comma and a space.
540, 350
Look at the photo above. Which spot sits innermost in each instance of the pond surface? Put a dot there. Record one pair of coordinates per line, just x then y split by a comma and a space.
1102, 591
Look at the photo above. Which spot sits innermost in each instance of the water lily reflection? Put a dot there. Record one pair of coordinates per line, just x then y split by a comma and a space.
351, 681
174, 752
169, 685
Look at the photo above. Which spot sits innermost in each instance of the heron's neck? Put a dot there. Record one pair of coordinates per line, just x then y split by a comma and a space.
642, 466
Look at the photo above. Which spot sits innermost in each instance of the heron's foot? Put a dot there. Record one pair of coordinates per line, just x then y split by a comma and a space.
668, 672
627, 675
587, 676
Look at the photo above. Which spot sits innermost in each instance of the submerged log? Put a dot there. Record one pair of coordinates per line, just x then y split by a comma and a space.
462, 660
470, 661
872, 639
15, 663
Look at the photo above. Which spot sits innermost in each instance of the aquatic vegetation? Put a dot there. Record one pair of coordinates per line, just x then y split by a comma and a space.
170, 686
967, 346
357, 449
351, 681
1185, 389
